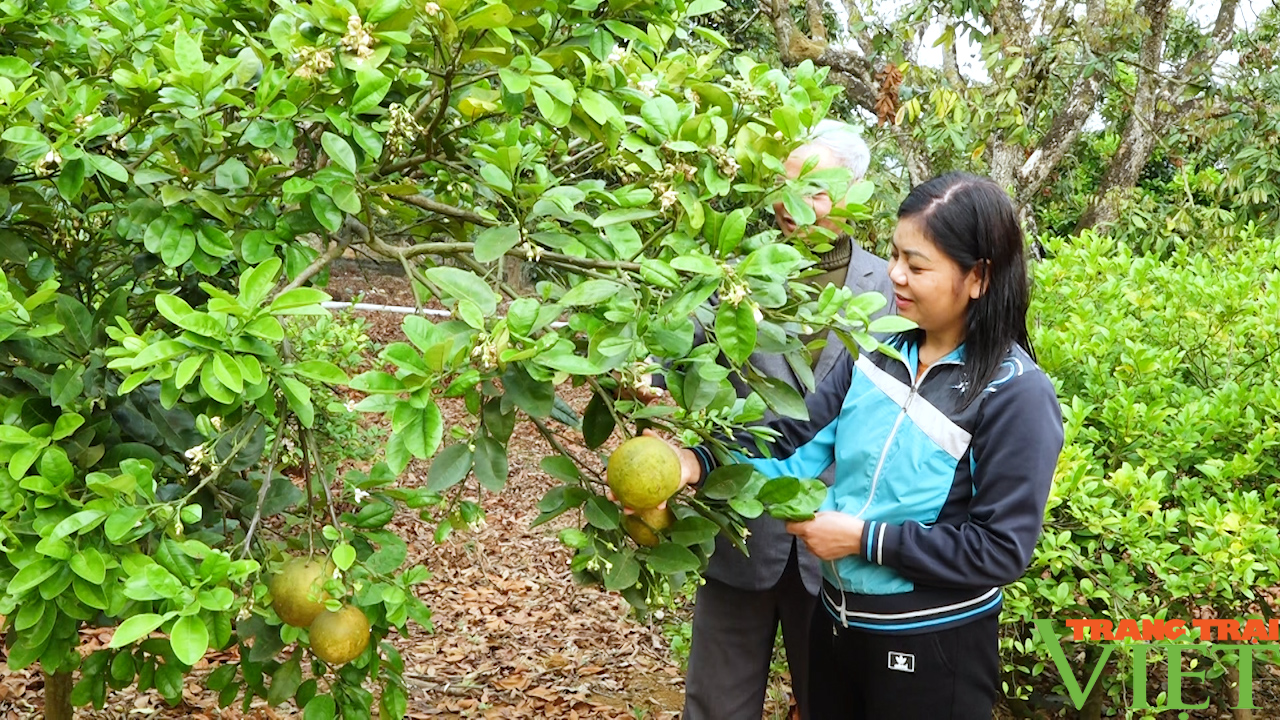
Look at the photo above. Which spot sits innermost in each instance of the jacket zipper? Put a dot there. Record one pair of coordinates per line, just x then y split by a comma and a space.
884, 452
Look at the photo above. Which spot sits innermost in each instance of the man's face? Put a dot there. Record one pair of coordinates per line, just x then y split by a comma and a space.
820, 202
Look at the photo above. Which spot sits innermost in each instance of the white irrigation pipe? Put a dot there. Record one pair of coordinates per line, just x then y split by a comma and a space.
372, 307
399, 309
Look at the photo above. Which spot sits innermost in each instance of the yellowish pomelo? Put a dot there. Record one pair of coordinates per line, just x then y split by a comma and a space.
339, 637
297, 589
643, 472
643, 527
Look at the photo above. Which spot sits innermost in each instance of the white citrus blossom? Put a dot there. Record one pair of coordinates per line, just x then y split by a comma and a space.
736, 293
197, 455
48, 164
358, 39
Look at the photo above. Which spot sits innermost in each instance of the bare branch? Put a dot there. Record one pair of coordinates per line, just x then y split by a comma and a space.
404, 164
1006, 19
440, 208
266, 483
845, 60
216, 471
1139, 133
571, 262
1169, 81
1060, 137
817, 27
309, 437
342, 241
748, 22
951, 64
861, 92
1223, 28
1050, 14
587, 154
856, 27
560, 448
919, 169
793, 45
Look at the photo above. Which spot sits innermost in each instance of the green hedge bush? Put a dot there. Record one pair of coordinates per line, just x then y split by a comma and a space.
1165, 502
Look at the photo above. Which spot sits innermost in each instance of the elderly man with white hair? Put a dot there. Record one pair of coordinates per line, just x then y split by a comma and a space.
745, 599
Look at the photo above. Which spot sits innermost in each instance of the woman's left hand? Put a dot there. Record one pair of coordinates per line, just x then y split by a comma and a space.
830, 535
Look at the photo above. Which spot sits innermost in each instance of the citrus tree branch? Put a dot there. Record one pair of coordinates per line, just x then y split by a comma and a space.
341, 242
266, 487
569, 262
217, 470
439, 208
560, 448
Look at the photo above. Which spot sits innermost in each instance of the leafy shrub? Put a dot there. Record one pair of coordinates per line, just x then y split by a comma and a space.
1165, 499
342, 433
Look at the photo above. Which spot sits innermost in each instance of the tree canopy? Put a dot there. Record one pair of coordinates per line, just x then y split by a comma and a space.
178, 176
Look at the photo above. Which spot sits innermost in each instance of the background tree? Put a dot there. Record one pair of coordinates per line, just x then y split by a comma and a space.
1048, 72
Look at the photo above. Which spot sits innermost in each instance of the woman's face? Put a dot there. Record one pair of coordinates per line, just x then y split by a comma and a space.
820, 202
929, 287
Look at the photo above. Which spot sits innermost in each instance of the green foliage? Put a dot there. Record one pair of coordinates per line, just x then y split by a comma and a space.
175, 175
129, 500
342, 433
341, 338
1164, 501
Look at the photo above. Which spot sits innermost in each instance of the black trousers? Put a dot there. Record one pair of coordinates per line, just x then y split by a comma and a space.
733, 634
946, 675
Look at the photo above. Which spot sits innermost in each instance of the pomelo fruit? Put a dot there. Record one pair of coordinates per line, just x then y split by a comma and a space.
643, 527
643, 472
339, 637
297, 589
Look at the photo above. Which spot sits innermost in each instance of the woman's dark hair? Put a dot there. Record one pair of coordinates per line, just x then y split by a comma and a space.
972, 220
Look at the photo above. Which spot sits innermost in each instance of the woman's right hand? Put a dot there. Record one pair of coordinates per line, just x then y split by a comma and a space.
690, 468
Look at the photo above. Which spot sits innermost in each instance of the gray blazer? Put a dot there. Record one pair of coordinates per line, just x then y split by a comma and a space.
769, 542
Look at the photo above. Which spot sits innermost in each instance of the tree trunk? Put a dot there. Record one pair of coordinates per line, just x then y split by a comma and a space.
1057, 142
1092, 708
1143, 127
1005, 159
1123, 174
57, 696
1232, 680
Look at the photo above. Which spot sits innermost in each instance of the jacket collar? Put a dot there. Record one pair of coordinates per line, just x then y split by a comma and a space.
911, 354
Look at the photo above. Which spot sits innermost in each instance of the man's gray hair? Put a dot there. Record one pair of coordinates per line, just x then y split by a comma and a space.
845, 143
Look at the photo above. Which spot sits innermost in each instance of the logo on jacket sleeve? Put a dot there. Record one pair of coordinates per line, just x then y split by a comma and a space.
902, 662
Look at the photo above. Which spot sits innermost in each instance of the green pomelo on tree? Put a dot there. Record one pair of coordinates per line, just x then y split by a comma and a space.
297, 590
643, 472
339, 637
644, 526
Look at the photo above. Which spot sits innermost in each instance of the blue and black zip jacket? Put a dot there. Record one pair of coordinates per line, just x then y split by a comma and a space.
952, 497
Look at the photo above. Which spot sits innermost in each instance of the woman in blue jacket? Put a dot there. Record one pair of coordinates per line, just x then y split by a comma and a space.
943, 460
